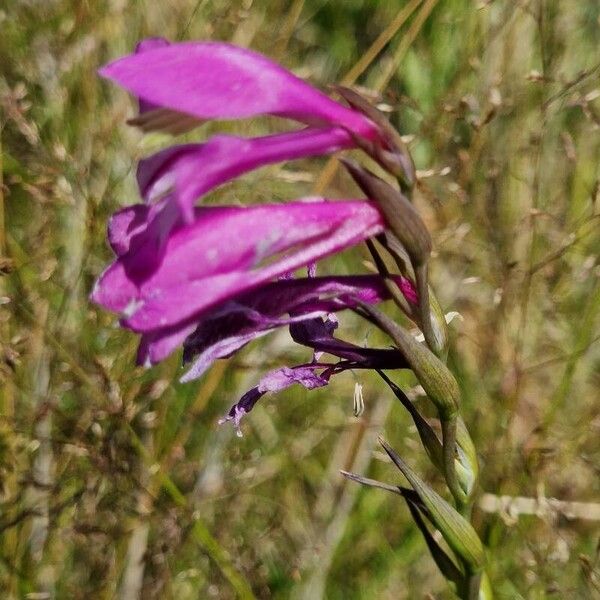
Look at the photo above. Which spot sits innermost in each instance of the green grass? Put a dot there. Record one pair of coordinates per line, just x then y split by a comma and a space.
100, 460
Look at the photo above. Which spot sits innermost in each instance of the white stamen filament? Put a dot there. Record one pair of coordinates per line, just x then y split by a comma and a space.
359, 402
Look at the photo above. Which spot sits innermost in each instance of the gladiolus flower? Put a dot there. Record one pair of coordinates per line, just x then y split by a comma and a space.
182, 85
215, 80
226, 251
205, 277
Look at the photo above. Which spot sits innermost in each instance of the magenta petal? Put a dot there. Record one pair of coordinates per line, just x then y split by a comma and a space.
228, 250
213, 80
124, 224
193, 170
156, 173
157, 345
145, 46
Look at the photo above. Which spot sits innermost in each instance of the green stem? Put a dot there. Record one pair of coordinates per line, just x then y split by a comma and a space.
473, 585
425, 309
448, 456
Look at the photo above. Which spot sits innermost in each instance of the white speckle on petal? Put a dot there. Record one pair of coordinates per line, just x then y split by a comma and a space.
132, 307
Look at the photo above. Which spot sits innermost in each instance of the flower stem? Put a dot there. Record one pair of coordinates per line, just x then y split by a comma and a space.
425, 309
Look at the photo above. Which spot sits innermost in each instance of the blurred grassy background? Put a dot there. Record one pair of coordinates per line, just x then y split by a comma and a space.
117, 482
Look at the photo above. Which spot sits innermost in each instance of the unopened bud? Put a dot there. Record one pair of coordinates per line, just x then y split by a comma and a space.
485, 588
465, 464
435, 328
439, 326
455, 529
400, 215
390, 152
435, 377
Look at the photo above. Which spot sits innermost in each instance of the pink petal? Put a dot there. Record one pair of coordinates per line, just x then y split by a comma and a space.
230, 326
224, 252
214, 80
193, 170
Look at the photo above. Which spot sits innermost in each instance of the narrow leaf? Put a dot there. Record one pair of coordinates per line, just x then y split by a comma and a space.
466, 464
430, 440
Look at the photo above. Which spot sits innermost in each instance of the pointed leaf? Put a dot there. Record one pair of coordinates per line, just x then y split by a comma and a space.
466, 469
429, 439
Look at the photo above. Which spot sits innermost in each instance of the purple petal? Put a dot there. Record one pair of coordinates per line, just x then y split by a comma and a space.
275, 381
318, 335
280, 379
307, 376
158, 344
244, 405
224, 252
213, 80
232, 325
221, 348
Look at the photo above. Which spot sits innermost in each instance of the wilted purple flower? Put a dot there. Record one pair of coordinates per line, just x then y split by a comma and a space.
317, 333
233, 324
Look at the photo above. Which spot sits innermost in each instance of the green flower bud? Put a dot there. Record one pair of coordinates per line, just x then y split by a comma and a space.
435, 377
392, 155
434, 327
401, 216
467, 465
485, 588
439, 327
455, 529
